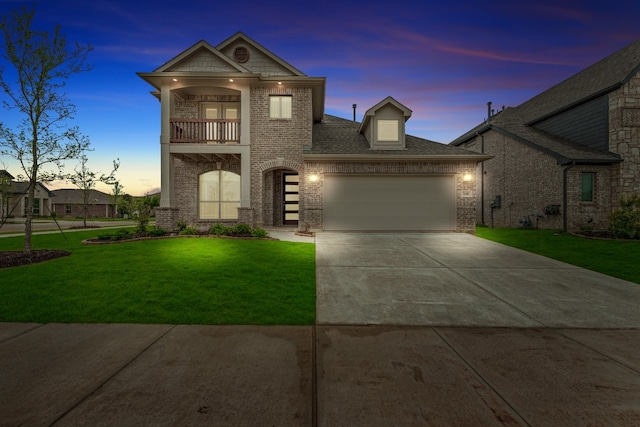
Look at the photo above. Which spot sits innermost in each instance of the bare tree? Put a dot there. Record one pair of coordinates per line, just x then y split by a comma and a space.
43, 62
86, 180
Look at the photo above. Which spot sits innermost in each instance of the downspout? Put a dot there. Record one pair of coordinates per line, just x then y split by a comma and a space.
481, 179
565, 211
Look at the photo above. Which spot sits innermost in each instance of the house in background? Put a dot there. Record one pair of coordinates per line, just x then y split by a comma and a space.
244, 138
14, 197
562, 159
70, 203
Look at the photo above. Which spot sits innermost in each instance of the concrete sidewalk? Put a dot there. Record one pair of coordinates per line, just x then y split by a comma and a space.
413, 329
139, 375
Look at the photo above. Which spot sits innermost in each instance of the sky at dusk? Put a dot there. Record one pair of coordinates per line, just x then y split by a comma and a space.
442, 59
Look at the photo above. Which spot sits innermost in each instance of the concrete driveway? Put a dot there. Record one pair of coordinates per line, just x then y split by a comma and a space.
451, 279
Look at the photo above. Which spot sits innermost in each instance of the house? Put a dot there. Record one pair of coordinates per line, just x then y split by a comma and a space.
244, 138
14, 197
563, 159
69, 202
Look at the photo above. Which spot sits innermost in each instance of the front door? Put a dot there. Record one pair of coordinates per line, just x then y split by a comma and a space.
291, 199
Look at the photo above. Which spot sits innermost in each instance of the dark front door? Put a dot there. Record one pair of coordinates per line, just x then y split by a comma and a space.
290, 202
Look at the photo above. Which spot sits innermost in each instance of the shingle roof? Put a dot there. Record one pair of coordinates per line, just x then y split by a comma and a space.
335, 135
602, 77
22, 187
74, 196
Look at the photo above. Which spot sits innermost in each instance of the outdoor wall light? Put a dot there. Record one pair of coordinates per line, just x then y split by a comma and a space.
279, 83
313, 178
231, 80
175, 80
467, 177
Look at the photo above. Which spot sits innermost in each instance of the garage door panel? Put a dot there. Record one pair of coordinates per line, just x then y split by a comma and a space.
389, 203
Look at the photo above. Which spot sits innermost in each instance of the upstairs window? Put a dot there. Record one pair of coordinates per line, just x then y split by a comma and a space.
280, 106
587, 181
388, 130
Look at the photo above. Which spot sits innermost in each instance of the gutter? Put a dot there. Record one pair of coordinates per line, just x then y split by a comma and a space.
398, 157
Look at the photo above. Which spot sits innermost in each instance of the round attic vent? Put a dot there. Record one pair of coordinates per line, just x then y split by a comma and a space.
241, 54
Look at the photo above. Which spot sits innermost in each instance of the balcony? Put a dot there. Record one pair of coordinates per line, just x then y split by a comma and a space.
205, 131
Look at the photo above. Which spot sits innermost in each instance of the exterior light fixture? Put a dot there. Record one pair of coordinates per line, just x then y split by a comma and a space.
313, 178
231, 80
279, 83
175, 80
467, 177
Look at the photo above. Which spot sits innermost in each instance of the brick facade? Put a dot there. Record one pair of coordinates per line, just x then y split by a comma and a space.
277, 144
624, 138
269, 148
76, 210
531, 185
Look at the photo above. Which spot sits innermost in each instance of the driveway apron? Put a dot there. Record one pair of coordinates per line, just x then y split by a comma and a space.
452, 279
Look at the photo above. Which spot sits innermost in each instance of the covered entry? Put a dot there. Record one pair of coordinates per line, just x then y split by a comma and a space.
389, 202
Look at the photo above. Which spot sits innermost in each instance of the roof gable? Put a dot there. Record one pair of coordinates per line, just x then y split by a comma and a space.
387, 101
535, 122
602, 77
259, 59
201, 57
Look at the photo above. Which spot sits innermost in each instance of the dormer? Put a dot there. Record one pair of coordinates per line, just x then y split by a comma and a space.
383, 125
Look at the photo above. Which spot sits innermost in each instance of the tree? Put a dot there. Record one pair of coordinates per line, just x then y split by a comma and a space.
140, 208
86, 180
116, 193
43, 62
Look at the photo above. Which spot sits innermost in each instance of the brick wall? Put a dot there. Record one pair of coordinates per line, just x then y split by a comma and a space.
186, 180
189, 106
528, 181
624, 138
276, 144
77, 210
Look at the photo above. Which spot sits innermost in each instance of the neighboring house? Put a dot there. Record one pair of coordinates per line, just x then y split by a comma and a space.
70, 203
244, 138
563, 159
5, 193
14, 197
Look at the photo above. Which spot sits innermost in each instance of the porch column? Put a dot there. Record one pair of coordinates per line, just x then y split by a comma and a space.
166, 193
245, 178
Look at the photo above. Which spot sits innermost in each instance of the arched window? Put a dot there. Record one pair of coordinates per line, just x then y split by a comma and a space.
219, 193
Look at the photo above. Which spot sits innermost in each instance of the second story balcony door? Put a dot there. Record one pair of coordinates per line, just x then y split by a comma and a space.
220, 131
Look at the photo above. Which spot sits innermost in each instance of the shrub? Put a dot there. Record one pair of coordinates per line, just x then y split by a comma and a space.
157, 232
106, 236
181, 225
241, 229
219, 229
625, 222
122, 235
260, 233
188, 231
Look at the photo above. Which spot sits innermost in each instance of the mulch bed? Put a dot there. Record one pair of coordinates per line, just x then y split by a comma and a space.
16, 258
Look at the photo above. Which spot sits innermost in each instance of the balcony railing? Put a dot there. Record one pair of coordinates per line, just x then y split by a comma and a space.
205, 131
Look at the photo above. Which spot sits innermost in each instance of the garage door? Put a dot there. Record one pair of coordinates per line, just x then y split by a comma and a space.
389, 202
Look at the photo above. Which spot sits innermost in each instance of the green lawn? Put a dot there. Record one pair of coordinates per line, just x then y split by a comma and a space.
617, 258
172, 281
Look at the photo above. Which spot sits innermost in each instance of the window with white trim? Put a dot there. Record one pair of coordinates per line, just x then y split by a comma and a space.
280, 106
387, 130
219, 194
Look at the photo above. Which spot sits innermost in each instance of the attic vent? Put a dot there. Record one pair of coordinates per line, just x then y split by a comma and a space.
241, 54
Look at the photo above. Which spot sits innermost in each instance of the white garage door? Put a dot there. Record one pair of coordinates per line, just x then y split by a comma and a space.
389, 202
